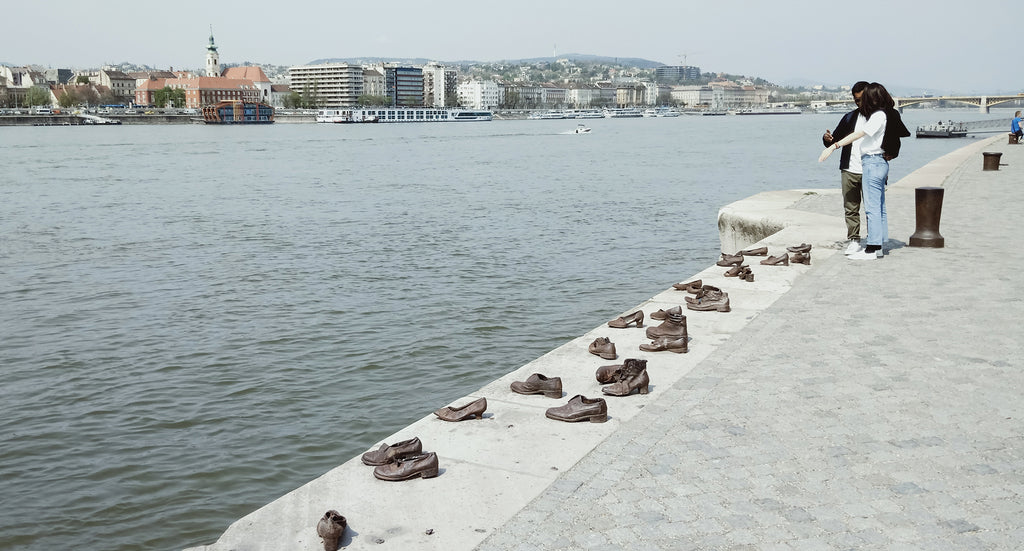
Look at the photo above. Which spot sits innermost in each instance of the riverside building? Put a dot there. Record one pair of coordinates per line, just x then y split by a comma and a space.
329, 84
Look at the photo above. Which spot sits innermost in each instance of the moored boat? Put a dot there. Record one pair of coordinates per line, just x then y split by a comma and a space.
238, 112
942, 130
400, 114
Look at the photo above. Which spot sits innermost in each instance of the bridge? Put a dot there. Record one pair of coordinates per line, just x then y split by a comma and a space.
982, 102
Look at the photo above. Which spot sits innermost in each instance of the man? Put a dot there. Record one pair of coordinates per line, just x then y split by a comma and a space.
1015, 126
849, 160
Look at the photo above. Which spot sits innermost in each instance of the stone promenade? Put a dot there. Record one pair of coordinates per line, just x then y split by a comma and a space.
874, 405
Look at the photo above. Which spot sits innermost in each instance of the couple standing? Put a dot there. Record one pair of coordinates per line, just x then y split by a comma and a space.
869, 137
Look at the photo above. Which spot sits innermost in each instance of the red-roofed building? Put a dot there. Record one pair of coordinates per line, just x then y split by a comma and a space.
200, 91
254, 74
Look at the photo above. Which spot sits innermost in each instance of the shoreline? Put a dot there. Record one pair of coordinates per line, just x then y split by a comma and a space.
515, 454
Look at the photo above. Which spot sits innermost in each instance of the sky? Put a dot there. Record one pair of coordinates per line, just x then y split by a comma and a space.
936, 46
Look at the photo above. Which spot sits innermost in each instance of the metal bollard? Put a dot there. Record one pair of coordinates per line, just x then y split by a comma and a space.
1013, 138
991, 161
929, 210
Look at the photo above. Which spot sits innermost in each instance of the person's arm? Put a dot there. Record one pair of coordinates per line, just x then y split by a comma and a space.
840, 144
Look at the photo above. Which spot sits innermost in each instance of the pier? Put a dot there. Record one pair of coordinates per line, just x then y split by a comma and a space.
838, 405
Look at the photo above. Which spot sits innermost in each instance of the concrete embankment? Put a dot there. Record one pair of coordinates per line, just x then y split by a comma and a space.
841, 404
74, 120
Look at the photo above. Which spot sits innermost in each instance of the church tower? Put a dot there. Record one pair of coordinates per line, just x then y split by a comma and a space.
212, 61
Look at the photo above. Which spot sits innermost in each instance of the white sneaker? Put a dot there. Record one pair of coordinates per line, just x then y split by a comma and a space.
853, 247
862, 255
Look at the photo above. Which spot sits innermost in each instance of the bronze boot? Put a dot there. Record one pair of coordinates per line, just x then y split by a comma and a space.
634, 378
674, 326
330, 528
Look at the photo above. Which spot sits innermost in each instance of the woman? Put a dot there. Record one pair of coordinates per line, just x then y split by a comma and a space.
870, 129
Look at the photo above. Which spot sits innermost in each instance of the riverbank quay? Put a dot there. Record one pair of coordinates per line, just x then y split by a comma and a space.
728, 431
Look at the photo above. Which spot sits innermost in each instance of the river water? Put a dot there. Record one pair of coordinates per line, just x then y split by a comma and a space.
197, 320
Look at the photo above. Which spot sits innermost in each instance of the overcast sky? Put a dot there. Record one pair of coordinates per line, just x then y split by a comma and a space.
938, 45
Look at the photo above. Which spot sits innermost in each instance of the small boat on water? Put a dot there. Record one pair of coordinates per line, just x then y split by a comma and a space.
238, 112
942, 130
582, 128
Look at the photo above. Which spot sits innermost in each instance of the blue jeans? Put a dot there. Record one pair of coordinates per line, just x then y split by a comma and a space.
876, 173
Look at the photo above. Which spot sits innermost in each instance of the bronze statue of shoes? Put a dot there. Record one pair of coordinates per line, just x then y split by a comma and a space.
423, 465
580, 408
634, 377
689, 286
472, 410
781, 260
760, 251
747, 275
707, 291
801, 248
801, 258
679, 346
388, 454
330, 528
662, 314
720, 303
604, 348
736, 270
624, 321
730, 260
539, 384
674, 326
613, 373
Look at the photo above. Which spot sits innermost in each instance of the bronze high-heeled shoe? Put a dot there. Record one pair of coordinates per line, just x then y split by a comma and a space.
474, 410
760, 251
330, 528
624, 321
801, 258
735, 270
730, 260
782, 260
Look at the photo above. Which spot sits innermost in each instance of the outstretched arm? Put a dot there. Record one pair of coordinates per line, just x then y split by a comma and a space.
839, 145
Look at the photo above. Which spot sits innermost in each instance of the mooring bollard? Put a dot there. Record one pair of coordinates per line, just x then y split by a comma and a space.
991, 161
1013, 138
929, 211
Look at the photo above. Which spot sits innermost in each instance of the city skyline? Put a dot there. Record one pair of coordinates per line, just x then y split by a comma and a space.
900, 44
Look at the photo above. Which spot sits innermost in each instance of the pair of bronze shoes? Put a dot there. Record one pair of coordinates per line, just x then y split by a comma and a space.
743, 272
472, 410
801, 248
539, 384
671, 335
604, 348
331, 527
737, 259
624, 378
402, 461
691, 287
709, 298
580, 408
785, 259
662, 314
625, 321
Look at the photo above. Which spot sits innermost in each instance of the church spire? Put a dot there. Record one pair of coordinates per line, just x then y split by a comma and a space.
212, 58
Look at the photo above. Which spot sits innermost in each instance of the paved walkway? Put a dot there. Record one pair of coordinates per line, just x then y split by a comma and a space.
874, 405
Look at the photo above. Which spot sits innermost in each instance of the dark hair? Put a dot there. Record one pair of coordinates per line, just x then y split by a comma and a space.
859, 86
875, 98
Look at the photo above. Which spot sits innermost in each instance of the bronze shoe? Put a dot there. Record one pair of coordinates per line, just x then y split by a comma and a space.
674, 326
662, 314
730, 260
623, 321
679, 346
782, 260
604, 348
424, 465
735, 270
474, 410
707, 291
720, 303
388, 454
580, 408
613, 373
689, 287
330, 528
539, 384
747, 275
801, 248
760, 251
801, 258
634, 377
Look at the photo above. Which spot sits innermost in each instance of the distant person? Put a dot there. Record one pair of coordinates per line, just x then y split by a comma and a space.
1015, 126
870, 130
849, 169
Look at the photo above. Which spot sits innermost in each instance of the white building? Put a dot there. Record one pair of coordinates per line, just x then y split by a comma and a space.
479, 94
328, 84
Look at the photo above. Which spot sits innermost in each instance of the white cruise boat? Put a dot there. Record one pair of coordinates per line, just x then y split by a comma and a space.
399, 114
624, 113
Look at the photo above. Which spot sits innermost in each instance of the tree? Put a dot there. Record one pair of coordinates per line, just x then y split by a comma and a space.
367, 100
82, 79
67, 98
88, 96
37, 96
169, 96
293, 100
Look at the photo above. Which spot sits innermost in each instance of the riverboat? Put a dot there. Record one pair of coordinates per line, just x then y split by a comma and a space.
942, 130
238, 112
769, 111
624, 113
400, 114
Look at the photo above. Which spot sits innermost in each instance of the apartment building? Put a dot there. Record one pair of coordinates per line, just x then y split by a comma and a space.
329, 84
440, 85
404, 86
479, 94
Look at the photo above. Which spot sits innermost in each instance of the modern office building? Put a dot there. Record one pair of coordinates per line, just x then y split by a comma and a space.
330, 84
404, 86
